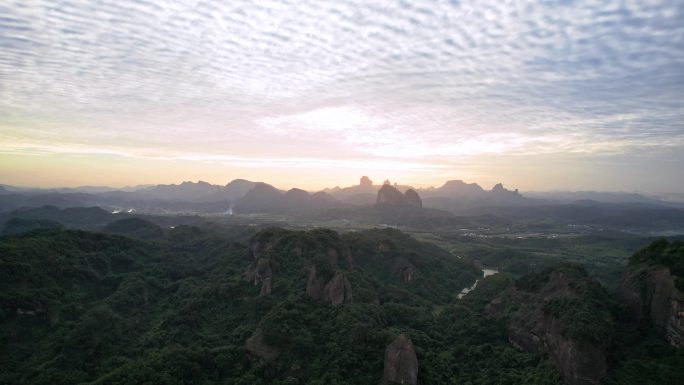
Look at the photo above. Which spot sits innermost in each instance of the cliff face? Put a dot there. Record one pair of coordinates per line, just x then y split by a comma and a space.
261, 274
335, 291
578, 362
338, 290
544, 314
653, 288
404, 269
650, 293
401, 363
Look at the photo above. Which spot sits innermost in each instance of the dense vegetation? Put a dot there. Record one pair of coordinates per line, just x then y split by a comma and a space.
174, 306
662, 252
584, 316
81, 307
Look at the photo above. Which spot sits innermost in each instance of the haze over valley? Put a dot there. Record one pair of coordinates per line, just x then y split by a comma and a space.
278, 192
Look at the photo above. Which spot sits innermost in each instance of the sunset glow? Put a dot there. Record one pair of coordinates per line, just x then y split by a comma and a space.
477, 90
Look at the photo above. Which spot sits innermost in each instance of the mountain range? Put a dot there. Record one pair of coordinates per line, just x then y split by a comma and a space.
433, 206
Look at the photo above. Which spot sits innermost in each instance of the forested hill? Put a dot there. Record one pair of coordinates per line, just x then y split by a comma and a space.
82, 307
239, 306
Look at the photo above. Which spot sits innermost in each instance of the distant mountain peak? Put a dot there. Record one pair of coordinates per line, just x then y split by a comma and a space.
388, 194
365, 181
459, 187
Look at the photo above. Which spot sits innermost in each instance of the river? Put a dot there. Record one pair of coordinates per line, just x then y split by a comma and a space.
486, 273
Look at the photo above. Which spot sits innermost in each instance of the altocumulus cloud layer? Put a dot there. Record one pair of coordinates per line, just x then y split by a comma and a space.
417, 83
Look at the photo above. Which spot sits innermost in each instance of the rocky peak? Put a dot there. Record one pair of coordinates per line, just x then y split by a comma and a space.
401, 363
412, 198
365, 182
500, 191
388, 194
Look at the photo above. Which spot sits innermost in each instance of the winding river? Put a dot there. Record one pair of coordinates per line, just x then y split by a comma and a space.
486, 273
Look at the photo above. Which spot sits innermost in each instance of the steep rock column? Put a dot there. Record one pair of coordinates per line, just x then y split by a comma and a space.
263, 275
338, 290
401, 363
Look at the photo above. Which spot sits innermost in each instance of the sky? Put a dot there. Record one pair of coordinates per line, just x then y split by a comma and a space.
539, 95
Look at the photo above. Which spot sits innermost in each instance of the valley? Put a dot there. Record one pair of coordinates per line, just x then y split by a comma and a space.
273, 297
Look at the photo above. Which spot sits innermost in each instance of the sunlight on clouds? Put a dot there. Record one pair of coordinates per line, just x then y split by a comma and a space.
420, 84
326, 119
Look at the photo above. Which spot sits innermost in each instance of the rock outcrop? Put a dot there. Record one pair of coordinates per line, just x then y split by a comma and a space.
412, 198
365, 182
651, 294
335, 291
653, 288
539, 310
338, 290
501, 194
401, 363
404, 269
315, 285
339, 257
388, 194
261, 274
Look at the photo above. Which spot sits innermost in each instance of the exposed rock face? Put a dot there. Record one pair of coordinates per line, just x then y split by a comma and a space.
315, 285
404, 269
532, 329
266, 287
336, 291
579, 363
340, 257
412, 198
409, 274
651, 294
261, 274
401, 363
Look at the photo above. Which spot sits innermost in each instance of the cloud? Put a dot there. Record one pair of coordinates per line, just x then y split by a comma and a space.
420, 80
